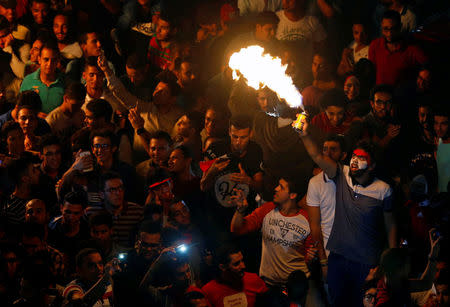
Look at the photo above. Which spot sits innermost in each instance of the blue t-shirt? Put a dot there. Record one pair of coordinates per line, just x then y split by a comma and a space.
358, 232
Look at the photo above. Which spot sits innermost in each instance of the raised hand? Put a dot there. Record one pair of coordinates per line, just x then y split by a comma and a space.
241, 177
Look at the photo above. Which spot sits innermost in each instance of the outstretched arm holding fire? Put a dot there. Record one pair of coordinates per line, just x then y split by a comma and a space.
325, 163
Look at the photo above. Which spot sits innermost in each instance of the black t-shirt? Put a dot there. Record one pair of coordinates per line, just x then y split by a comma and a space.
220, 212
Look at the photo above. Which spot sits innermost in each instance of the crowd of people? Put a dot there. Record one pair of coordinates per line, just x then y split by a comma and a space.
137, 170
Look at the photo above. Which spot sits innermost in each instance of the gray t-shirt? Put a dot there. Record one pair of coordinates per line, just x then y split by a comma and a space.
358, 232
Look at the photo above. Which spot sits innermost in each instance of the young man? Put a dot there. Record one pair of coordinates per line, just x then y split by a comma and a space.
68, 48
47, 81
68, 230
334, 118
321, 200
159, 48
101, 229
441, 129
392, 55
155, 169
126, 215
233, 284
285, 233
93, 285
363, 203
68, 117
187, 133
24, 174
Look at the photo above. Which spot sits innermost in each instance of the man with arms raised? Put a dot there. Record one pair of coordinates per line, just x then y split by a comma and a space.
363, 204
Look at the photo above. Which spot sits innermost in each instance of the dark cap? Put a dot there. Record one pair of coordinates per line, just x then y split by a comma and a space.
9, 4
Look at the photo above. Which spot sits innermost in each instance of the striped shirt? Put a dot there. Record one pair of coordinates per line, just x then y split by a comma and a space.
15, 210
157, 55
125, 223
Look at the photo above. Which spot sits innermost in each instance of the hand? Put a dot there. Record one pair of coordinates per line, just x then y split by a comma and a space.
241, 177
312, 254
238, 199
112, 267
393, 131
303, 124
219, 165
102, 62
435, 246
136, 119
82, 163
372, 274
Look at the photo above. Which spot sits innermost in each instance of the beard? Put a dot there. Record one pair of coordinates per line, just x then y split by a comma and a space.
357, 174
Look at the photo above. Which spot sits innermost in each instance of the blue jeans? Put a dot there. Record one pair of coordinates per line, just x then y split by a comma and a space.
345, 280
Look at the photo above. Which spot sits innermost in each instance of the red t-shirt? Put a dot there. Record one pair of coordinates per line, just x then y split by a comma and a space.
391, 67
221, 295
322, 122
157, 55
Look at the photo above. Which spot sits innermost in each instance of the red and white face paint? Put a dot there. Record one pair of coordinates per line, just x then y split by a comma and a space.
360, 158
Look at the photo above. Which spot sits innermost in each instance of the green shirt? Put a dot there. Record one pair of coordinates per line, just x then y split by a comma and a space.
51, 96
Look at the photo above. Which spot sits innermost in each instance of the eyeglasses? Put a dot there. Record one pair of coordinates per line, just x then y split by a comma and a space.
101, 146
115, 189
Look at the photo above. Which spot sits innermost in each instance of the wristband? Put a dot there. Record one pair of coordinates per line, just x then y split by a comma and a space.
140, 131
323, 262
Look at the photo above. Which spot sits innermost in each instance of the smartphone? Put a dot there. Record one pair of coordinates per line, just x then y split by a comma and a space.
181, 249
122, 256
85, 154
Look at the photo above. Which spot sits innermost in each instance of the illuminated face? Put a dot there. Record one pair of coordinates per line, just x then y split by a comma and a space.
5, 38
159, 151
186, 75
114, 192
149, 245
236, 264
94, 78
424, 117
35, 212
351, 88
48, 61
359, 34
265, 32
93, 46
136, 76
61, 27
335, 115
333, 150
265, 100
177, 161
239, 139
424, 80
103, 149
318, 67
92, 268
8, 13
369, 297
210, 122
163, 31
180, 213
390, 30
360, 162
381, 106
51, 156
39, 11
162, 94
101, 233
71, 214
27, 120
282, 194
35, 51
441, 126
183, 126
442, 295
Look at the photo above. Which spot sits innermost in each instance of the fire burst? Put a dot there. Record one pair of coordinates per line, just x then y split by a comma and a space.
262, 70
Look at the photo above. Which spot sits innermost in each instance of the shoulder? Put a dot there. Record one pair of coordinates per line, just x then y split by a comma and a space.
253, 279
376, 42
384, 189
73, 286
210, 286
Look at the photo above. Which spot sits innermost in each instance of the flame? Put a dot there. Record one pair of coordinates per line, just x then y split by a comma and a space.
262, 70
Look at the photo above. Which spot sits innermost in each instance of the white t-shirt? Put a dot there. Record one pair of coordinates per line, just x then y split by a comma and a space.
360, 54
322, 193
247, 7
308, 28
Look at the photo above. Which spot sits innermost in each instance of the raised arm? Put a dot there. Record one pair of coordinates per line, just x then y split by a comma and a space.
325, 163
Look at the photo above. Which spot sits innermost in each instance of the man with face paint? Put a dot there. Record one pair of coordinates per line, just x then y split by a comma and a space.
363, 205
